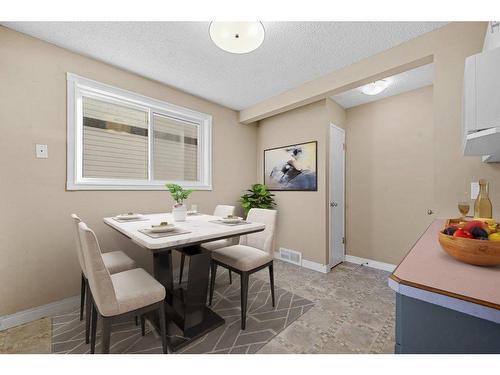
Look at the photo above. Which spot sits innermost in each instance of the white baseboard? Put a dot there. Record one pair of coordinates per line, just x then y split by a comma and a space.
370, 263
323, 268
25, 316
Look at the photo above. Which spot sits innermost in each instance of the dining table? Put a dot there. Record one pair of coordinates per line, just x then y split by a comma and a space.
188, 316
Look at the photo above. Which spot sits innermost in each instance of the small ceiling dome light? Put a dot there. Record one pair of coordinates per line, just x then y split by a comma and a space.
237, 37
376, 87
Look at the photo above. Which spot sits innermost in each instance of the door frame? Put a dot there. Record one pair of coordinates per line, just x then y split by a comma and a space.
331, 127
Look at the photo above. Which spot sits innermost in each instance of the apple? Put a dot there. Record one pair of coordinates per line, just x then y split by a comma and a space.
462, 233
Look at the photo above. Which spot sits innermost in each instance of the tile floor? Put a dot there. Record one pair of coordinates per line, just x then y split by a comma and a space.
354, 311
30, 338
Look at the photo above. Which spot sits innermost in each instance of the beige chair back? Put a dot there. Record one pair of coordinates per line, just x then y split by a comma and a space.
78, 244
98, 275
222, 210
261, 240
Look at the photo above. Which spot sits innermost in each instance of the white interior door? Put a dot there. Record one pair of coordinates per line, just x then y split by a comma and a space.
337, 195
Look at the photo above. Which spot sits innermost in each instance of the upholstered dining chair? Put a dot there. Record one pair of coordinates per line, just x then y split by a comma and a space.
221, 210
253, 253
128, 293
114, 261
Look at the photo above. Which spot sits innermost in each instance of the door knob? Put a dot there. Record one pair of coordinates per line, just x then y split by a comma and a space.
430, 212
333, 204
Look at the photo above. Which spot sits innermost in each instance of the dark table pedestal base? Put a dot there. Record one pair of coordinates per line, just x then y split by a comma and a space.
188, 317
176, 342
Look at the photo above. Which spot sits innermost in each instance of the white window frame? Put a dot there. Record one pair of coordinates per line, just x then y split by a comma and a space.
78, 87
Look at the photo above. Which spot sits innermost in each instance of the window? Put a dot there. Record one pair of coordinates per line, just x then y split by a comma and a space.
121, 140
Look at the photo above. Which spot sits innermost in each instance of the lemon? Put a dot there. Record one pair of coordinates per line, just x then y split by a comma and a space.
494, 237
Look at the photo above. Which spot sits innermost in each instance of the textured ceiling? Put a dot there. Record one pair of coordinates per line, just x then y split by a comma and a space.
399, 83
181, 54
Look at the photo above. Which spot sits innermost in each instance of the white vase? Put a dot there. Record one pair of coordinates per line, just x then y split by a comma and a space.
179, 213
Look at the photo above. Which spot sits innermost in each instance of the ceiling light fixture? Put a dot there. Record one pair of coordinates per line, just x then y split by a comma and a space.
237, 37
376, 87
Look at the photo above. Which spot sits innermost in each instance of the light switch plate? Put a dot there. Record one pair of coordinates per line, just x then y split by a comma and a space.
42, 151
474, 190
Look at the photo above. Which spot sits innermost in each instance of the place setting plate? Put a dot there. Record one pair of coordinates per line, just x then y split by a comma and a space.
129, 217
231, 221
163, 230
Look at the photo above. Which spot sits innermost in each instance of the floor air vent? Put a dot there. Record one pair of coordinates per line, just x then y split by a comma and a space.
291, 256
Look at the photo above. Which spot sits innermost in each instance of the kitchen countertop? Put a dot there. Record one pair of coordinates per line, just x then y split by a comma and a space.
429, 274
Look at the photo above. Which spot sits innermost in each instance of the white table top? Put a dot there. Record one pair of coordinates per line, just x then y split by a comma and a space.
200, 228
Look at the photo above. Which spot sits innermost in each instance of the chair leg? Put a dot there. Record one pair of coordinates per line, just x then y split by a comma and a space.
271, 280
82, 296
143, 325
183, 259
244, 298
136, 320
93, 328
88, 312
163, 327
230, 277
105, 334
213, 274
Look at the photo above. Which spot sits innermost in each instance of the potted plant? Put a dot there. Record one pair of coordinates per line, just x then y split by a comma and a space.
179, 195
257, 197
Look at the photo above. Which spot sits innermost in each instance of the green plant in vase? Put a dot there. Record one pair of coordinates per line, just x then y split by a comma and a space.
179, 195
257, 197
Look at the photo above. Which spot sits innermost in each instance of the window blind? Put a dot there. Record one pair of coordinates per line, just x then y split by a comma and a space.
115, 141
175, 150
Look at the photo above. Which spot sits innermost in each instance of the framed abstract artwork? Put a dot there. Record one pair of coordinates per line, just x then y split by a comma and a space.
292, 168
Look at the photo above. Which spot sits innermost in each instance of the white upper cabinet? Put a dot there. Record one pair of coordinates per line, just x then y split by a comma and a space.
488, 89
482, 91
481, 105
481, 99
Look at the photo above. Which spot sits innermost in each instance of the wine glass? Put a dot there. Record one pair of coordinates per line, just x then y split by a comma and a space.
464, 208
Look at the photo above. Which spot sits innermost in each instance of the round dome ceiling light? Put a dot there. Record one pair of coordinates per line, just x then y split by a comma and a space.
376, 87
237, 37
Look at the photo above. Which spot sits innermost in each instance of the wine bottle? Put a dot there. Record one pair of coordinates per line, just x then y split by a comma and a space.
482, 206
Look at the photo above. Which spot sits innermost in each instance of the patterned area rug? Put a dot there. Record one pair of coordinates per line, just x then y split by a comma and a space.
263, 323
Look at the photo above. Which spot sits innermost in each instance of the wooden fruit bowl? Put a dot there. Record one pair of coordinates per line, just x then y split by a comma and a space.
477, 252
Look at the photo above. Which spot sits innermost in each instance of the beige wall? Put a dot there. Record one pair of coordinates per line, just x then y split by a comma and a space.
38, 263
302, 217
389, 174
335, 114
